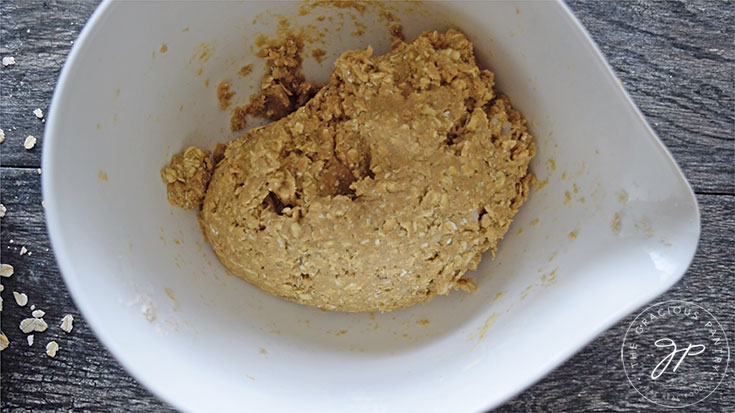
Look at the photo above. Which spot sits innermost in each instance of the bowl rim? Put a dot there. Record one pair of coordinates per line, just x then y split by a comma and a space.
162, 392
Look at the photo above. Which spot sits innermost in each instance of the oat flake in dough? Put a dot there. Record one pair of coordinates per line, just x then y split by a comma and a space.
380, 192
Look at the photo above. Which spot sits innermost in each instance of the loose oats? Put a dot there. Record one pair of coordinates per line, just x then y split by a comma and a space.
27, 325
30, 142
4, 342
51, 348
20, 298
2, 136
39, 113
23, 250
3, 210
6, 270
33, 324
67, 323
38, 313
30, 339
8, 60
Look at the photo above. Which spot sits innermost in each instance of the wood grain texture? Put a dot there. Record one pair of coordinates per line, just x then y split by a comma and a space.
676, 60
39, 34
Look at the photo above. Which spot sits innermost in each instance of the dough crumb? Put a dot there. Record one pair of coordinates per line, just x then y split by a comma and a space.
615, 224
224, 95
319, 55
187, 177
8, 60
397, 31
238, 119
283, 89
38, 113
246, 70
466, 285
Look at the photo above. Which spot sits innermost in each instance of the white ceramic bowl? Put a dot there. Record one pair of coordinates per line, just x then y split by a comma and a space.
211, 342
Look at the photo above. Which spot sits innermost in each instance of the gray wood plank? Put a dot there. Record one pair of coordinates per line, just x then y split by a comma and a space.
676, 59
39, 34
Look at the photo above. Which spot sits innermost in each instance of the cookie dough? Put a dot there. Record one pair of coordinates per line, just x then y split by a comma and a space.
187, 177
382, 190
282, 89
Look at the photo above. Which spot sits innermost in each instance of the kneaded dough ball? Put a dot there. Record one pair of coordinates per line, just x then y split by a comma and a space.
380, 192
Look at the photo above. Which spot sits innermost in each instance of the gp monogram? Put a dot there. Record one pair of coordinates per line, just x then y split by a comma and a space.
675, 354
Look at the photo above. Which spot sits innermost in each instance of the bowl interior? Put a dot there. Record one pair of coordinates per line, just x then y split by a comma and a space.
612, 225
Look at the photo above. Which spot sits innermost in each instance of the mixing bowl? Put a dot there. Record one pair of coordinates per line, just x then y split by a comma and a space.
612, 224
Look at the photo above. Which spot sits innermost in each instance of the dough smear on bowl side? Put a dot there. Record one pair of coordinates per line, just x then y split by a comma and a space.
379, 193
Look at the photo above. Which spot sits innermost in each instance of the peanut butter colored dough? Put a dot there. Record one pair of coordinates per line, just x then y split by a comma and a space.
282, 89
187, 176
380, 192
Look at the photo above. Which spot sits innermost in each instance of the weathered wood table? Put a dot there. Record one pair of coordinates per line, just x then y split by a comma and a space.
675, 58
